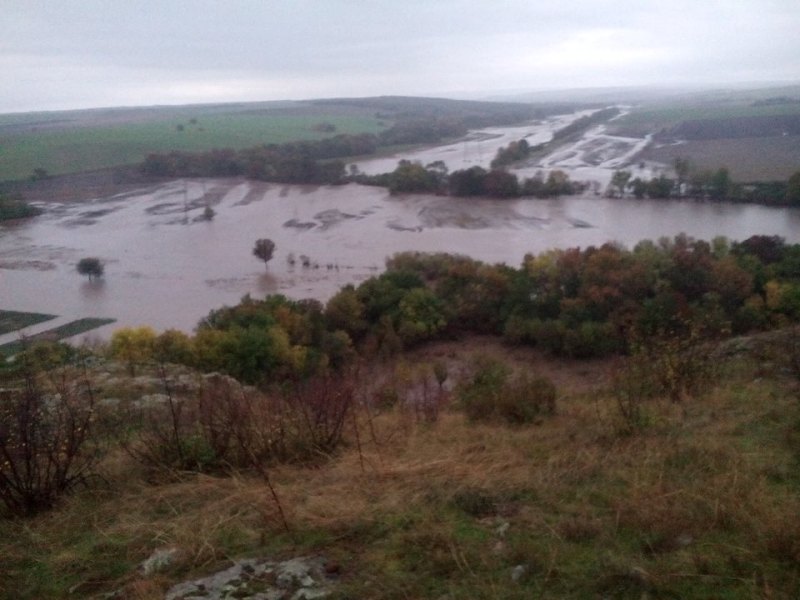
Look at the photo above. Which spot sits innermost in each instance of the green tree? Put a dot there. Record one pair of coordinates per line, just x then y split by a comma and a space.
501, 184
173, 346
639, 187
264, 249
682, 169
91, 267
660, 187
467, 182
793, 189
346, 312
558, 183
421, 316
133, 345
412, 177
720, 184
619, 180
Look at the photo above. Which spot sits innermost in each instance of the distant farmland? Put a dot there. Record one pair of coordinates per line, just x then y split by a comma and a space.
660, 119
747, 159
87, 140
755, 141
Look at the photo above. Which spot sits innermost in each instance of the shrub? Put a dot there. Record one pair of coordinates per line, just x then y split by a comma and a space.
133, 345
47, 441
492, 393
480, 395
229, 426
223, 426
632, 384
591, 339
474, 502
668, 365
526, 399
320, 405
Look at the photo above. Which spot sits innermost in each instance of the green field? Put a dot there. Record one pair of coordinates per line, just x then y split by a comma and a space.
86, 143
11, 320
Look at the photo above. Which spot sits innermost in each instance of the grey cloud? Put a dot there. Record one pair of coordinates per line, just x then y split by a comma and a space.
72, 49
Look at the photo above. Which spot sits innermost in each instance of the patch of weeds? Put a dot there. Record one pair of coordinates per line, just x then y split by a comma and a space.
579, 529
783, 544
623, 583
466, 531
494, 393
363, 531
233, 540
475, 502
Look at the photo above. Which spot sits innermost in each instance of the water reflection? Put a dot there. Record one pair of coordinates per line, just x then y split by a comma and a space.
94, 290
267, 283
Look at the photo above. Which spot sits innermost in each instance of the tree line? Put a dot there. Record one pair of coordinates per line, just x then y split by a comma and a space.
14, 207
577, 302
693, 183
413, 178
315, 161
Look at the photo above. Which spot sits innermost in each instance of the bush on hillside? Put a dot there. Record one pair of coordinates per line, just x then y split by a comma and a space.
494, 393
48, 444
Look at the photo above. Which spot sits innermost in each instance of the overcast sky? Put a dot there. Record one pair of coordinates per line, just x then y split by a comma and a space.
57, 54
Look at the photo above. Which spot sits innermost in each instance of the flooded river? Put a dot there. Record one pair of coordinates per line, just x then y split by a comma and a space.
167, 268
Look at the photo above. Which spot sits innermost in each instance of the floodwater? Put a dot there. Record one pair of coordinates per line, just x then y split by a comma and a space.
166, 267
476, 149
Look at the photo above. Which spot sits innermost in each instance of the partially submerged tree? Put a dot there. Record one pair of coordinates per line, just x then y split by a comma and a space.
90, 266
793, 190
264, 249
619, 181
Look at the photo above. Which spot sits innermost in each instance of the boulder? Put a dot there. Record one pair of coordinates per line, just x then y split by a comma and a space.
302, 578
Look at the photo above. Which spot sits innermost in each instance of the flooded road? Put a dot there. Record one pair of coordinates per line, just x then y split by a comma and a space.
167, 268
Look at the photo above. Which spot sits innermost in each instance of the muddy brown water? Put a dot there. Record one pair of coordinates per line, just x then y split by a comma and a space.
167, 268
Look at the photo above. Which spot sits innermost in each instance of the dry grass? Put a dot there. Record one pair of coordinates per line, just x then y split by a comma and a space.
702, 503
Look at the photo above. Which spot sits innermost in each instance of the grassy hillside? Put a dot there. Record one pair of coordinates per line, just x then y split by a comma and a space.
698, 501
70, 146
